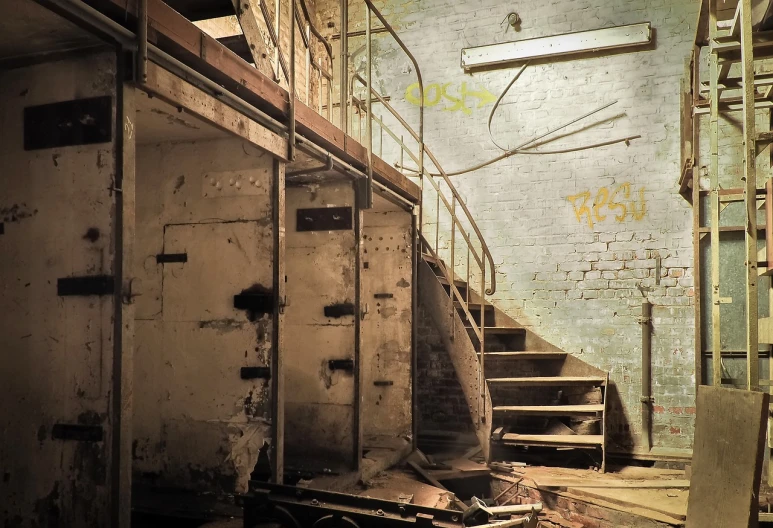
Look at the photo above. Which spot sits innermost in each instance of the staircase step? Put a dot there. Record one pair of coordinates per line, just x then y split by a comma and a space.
550, 381
526, 355
458, 283
551, 410
432, 261
554, 440
501, 330
474, 307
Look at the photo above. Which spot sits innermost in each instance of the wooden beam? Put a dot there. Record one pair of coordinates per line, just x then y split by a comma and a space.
714, 177
184, 41
252, 28
750, 195
177, 92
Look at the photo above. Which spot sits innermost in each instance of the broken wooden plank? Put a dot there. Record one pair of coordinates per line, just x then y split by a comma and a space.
639, 484
727, 457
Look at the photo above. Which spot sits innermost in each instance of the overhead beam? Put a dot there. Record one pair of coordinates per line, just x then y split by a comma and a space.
177, 92
556, 45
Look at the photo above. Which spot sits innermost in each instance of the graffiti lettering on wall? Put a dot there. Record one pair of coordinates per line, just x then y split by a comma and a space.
621, 202
455, 99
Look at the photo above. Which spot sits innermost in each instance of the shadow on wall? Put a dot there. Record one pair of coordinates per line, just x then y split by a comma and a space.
618, 426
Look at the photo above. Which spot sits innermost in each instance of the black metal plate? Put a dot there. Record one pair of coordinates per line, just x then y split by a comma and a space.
82, 286
324, 219
77, 432
341, 364
339, 310
255, 373
77, 122
259, 303
167, 258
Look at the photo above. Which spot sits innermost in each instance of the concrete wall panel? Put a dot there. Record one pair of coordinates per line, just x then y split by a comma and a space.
198, 424
56, 208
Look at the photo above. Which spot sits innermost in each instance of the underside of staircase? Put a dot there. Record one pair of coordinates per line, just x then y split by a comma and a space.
534, 399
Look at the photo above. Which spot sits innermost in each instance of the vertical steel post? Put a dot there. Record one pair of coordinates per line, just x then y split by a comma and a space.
343, 82
277, 16
308, 63
750, 196
646, 375
277, 328
716, 343
358, 316
142, 42
291, 83
369, 108
482, 378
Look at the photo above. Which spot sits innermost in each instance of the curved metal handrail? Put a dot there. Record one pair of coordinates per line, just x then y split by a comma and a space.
484, 247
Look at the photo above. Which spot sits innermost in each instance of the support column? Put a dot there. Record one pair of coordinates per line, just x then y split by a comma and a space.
750, 196
716, 342
277, 367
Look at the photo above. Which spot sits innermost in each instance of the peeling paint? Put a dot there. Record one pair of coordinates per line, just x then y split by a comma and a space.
246, 442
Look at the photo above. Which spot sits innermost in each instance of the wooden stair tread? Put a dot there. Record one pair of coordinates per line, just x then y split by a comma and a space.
501, 330
458, 283
551, 380
548, 410
429, 259
473, 306
527, 355
554, 440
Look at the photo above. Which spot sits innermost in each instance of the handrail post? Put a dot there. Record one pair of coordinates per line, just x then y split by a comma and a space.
343, 57
291, 83
278, 43
308, 63
369, 109
483, 341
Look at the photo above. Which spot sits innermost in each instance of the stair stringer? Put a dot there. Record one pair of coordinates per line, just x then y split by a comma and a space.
460, 349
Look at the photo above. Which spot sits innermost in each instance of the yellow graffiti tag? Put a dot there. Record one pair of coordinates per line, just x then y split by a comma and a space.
435, 93
620, 202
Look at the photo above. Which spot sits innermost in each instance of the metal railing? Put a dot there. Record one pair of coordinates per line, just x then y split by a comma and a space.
308, 30
460, 251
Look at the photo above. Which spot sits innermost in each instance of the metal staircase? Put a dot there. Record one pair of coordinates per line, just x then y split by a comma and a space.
541, 397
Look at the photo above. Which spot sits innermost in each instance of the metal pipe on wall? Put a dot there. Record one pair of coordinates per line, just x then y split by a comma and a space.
646, 374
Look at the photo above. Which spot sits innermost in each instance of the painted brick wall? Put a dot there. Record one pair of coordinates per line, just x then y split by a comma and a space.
576, 237
441, 402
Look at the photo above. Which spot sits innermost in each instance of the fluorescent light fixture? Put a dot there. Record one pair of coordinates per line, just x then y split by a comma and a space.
557, 45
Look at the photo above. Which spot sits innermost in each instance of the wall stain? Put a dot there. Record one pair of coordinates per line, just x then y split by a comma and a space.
16, 212
47, 509
179, 183
92, 234
171, 119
